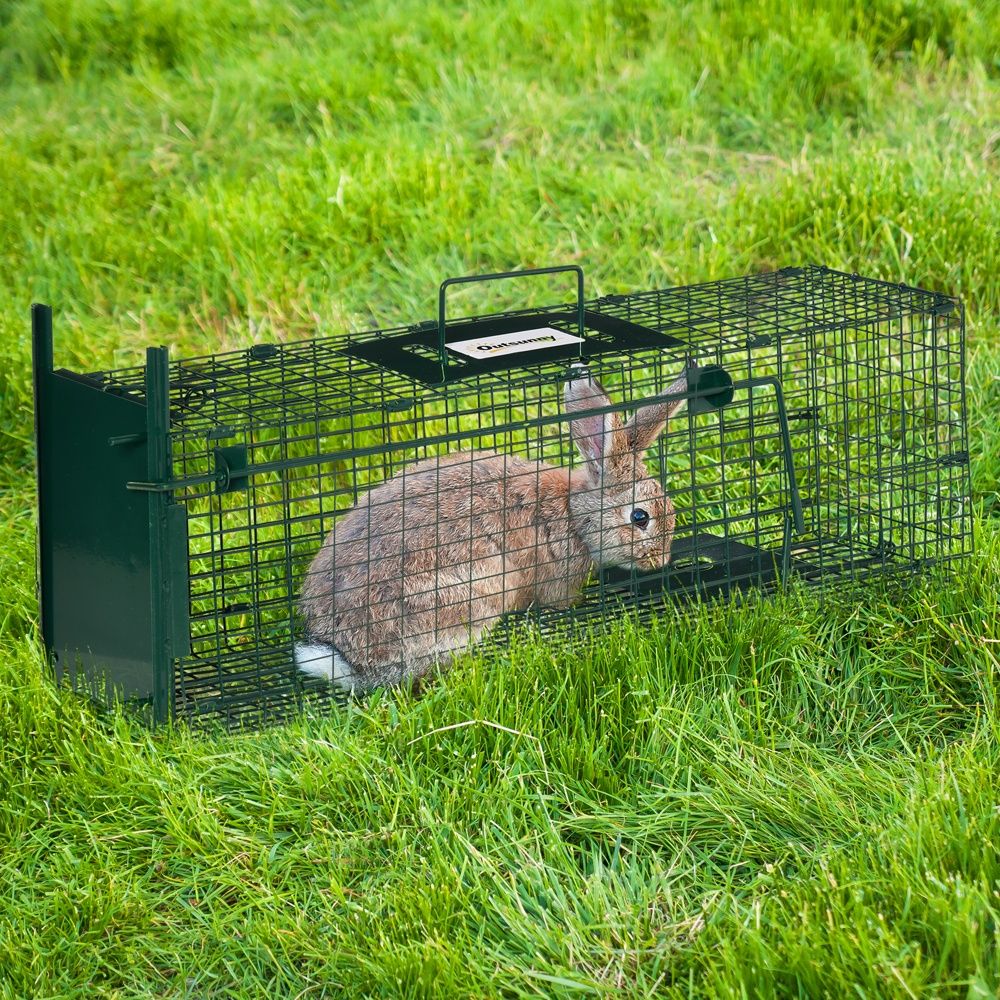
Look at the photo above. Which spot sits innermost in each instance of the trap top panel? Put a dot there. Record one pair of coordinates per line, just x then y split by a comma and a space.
274, 384
500, 343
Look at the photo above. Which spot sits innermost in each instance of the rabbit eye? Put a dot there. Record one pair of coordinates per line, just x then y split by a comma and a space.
640, 518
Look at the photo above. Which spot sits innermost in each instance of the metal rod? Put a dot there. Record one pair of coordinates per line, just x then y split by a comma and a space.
786, 443
120, 439
765, 381
42, 354
210, 478
158, 466
786, 547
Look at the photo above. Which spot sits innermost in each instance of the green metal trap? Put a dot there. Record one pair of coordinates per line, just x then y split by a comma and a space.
819, 433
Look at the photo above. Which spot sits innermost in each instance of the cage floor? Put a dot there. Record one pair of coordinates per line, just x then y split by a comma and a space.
706, 565
257, 685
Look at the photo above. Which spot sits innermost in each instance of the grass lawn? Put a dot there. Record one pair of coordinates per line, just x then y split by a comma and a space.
784, 799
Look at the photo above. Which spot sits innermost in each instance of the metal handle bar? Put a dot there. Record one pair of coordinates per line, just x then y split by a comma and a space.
468, 279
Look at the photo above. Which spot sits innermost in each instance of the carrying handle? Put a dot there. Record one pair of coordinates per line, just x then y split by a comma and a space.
468, 279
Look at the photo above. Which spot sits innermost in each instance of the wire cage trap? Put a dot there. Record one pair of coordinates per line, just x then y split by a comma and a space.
218, 534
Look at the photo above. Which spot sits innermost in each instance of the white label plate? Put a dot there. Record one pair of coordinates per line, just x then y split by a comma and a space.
514, 343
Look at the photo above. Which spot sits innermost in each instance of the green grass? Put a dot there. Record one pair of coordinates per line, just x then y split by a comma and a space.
781, 799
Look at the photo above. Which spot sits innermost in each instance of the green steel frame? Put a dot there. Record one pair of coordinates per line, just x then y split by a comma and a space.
180, 503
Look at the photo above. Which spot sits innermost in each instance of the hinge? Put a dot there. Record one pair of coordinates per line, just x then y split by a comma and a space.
226, 461
807, 413
263, 352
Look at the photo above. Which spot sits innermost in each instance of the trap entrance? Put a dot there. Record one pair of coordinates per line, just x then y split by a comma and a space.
822, 438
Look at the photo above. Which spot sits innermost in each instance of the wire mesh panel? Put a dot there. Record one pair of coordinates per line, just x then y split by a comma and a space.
364, 508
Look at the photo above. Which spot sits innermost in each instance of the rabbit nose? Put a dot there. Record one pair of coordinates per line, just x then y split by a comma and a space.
654, 556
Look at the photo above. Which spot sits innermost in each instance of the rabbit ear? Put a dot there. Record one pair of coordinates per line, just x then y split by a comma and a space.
648, 421
599, 437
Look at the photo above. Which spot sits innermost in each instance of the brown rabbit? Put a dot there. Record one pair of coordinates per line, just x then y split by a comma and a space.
430, 559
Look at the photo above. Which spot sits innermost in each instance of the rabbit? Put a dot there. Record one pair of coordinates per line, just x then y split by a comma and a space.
429, 560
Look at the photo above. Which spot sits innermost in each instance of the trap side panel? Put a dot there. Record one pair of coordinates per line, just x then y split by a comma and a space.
94, 553
892, 404
250, 548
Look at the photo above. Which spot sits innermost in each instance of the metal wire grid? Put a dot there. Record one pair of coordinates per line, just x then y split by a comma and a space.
873, 384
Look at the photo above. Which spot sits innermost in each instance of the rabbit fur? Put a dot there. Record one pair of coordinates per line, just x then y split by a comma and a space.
431, 558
